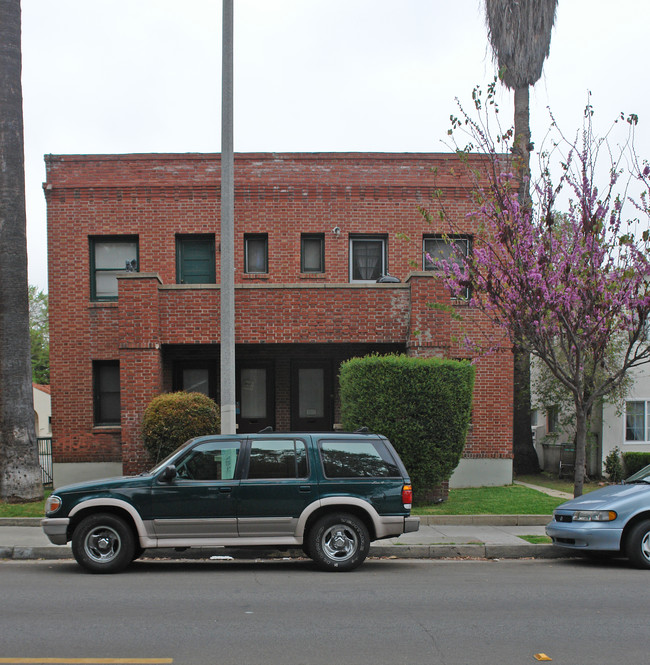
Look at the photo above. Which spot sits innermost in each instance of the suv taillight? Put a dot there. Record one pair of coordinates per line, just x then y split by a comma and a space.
407, 496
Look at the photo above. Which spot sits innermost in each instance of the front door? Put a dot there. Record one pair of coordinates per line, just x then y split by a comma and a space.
311, 396
255, 396
201, 501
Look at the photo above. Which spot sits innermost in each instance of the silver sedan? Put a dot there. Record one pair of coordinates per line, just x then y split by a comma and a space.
612, 519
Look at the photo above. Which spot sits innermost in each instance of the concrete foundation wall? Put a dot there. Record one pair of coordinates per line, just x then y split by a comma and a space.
482, 473
68, 473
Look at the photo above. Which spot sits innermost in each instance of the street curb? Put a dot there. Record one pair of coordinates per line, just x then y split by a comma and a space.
425, 520
478, 551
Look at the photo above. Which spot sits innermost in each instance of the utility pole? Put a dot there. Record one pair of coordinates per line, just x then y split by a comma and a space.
228, 411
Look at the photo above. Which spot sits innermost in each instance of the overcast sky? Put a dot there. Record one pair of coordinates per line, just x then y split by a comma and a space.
124, 76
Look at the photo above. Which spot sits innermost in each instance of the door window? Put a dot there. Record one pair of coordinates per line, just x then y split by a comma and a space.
213, 460
277, 459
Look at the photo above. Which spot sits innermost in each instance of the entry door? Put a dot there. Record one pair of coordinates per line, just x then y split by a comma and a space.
311, 395
255, 396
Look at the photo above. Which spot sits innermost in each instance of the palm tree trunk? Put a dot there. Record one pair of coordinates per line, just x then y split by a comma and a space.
20, 476
525, 456
522, 144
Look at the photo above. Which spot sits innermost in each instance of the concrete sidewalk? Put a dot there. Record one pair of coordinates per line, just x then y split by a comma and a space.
475, 536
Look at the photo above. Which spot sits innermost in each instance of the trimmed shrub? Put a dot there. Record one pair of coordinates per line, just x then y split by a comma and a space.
422, 405
635, 462
613, 466
173, 418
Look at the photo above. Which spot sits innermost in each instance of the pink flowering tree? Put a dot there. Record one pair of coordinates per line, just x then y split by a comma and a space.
567, 277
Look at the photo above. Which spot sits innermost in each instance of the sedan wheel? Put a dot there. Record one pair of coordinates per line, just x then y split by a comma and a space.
638, 545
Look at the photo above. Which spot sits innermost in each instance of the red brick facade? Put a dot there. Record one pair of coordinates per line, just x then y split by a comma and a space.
285, 319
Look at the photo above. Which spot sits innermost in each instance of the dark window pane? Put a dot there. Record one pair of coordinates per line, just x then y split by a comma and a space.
195, 260
256, 254
277, 459
107, 392
635, 421
109, 259
443, 249
312, 254
357, 459
367, 259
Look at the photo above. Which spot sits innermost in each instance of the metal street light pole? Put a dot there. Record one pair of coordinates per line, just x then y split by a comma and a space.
228, 412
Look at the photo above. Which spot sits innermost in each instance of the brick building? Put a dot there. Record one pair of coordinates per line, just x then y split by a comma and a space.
134, 294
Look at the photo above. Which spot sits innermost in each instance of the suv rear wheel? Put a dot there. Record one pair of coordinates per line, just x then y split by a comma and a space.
103, 543
338, 542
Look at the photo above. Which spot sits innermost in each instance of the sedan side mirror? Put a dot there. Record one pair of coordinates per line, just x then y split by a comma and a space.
168, 474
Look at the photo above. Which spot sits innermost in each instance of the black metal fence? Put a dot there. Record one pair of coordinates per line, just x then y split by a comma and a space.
45, 459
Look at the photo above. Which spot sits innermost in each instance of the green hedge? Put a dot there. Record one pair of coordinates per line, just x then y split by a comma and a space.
633, 462
422, 406
173, 418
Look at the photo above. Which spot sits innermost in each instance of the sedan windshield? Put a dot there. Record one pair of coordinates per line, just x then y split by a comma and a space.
642, 476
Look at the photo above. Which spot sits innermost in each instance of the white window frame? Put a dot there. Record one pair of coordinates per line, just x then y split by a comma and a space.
645, 425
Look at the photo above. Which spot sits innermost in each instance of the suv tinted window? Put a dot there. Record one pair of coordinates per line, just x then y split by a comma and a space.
278, 459
357, 459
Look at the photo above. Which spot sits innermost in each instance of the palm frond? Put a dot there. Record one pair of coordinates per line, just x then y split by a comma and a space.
520, 36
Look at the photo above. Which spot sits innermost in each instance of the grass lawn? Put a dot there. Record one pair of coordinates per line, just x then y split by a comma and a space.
506, 500
35, 509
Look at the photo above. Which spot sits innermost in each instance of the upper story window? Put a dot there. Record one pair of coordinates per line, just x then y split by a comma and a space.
110, 257
444, 248
367, 258
256, 253
195, 259
106, 392
312, 252
636, 421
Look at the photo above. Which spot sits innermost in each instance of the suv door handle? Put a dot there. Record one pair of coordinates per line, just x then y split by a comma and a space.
304, 488
225, 490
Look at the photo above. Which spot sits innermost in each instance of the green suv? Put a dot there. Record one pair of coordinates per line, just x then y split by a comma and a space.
329, 493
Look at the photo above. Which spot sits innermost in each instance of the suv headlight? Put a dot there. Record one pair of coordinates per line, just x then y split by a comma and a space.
52, 504
594, 516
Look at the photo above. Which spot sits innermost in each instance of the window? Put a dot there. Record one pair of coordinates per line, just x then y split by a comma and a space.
445, 248
195, 259
552, 419
110, 257
106, 392
256, 253
312, 253
213, 460
367, 258
636, 421
277, 459
357, 459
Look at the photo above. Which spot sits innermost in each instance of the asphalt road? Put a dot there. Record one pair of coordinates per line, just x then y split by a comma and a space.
285, 612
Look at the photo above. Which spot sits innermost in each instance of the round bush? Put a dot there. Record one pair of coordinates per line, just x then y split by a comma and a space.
173, 418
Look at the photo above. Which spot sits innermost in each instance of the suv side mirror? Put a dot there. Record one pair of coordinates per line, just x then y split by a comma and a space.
168, 474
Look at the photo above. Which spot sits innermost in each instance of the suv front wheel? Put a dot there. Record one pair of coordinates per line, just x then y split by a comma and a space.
103, 543
338, 542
